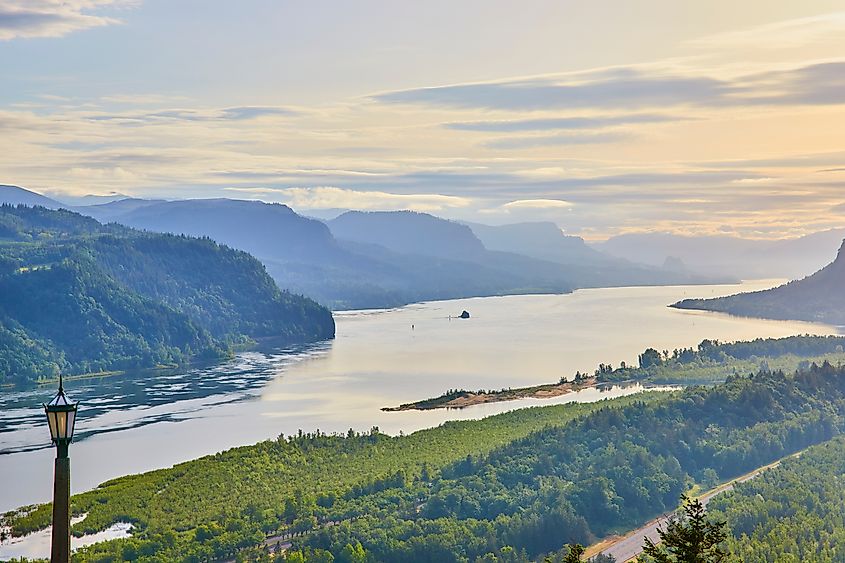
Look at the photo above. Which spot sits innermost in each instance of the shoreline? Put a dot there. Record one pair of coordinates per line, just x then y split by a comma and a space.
460, 399
195, 362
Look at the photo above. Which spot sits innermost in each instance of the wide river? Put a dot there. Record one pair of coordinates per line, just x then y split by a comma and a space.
379, 358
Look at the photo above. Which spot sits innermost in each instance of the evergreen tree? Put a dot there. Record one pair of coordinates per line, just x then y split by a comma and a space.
690, 538
574, 554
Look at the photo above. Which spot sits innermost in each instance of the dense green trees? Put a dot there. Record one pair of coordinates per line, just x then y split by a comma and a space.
690, 537
509, 488
280, 483
713, 361
612, 469
78, 297
791, 513
816, 298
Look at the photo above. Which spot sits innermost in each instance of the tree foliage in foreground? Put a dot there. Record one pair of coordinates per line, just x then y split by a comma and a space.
510, 488
690, 537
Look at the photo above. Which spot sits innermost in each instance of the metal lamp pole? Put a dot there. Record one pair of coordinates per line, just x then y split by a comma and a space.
61, 417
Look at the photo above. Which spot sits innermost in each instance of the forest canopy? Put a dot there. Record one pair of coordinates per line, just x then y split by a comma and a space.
518, 485
80, 297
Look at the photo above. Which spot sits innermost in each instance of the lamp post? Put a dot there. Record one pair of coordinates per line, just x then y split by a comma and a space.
61, 417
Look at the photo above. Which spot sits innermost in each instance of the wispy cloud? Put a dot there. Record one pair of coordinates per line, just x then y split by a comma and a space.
787, 161
538, 205
233, 114
704, 142
329, 197
252, 112
557, 123
778, 35
557, 140
51, 18
636, 88
623, 88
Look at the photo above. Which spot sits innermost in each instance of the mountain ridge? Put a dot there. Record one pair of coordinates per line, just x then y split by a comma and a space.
817, 298
16, 195
78, 297
721, 254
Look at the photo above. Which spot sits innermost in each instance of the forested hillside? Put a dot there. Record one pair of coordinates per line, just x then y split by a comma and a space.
818, 298
713, 361
790, 514
383, 259
523, 483
77, 297
302, 254
14, 195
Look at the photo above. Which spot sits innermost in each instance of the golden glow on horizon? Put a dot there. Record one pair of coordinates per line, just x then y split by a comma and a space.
737, 132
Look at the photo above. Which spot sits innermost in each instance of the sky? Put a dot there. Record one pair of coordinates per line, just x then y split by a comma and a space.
606, 117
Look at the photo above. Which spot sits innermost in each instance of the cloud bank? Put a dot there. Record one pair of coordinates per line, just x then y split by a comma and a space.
51, 18
633, 88
329, 197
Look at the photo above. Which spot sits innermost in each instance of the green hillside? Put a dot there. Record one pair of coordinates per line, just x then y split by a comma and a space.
817, 298
792, 513
78, 297
524, 483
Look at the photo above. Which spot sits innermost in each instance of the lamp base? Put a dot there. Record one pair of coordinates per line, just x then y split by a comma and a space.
61, 511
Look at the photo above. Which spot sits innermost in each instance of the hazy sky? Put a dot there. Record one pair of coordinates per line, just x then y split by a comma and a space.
603, 116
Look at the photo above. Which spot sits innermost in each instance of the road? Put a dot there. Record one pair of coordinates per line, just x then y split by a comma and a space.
623, 549
629, 546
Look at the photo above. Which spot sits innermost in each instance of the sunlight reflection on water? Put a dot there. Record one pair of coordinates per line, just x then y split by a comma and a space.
129, 425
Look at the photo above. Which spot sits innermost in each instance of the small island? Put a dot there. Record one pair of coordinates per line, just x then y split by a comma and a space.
460, 398
709, 363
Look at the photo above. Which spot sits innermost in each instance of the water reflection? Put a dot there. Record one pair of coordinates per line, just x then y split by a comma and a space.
37, 544
129, 425
129, 401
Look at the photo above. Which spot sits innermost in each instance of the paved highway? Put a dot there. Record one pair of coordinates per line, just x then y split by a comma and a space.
629, 546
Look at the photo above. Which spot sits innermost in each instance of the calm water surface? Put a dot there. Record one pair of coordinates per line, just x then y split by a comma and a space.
376, 360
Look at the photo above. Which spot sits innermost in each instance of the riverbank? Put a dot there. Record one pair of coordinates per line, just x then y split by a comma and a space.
335, 462
459, 399
129, 425
195, 362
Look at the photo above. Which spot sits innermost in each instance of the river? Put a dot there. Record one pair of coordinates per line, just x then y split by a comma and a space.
379, 358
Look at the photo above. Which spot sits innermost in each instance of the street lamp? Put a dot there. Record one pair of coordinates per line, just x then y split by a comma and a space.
61, 418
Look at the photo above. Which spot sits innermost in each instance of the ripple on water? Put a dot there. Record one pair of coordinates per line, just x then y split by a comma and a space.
37, 544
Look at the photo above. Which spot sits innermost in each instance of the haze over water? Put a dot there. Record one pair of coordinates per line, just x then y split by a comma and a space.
377, 360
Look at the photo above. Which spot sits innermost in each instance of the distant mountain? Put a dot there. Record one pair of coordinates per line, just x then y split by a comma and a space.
409, 232
423, 236
542, 240
370, 271
819, 297
77, 296
110, 211
89, 199
586, 266
14, 195
262, 229
300, 253
724, 255
387, 259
